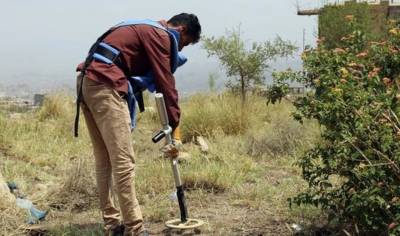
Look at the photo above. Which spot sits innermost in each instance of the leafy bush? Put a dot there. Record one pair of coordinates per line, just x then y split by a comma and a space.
354, 172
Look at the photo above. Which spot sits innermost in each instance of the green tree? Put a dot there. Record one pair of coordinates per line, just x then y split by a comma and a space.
246, 65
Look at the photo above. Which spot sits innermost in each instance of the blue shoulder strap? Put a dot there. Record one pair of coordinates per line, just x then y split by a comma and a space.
140, 22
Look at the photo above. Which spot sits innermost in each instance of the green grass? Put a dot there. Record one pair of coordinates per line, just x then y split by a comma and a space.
249, 165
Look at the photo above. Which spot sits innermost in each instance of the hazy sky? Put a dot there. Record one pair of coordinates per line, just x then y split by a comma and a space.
42, 41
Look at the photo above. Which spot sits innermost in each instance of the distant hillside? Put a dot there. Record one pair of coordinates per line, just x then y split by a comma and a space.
193, 78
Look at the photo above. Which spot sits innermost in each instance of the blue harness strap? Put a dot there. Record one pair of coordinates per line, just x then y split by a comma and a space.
139, 22
106, 53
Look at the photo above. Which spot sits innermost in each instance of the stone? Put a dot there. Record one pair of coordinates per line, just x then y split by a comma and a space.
38, 99
202, 143
7, 199
183, 156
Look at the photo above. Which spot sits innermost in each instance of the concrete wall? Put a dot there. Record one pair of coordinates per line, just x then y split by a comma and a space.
371, 18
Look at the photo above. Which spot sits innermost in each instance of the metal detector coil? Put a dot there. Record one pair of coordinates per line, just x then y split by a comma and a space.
166, 132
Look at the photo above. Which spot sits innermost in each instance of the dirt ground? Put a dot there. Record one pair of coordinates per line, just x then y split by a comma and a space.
221, 212
221, 218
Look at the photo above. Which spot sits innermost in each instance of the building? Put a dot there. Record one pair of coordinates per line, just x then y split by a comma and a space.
371, 15
391, 7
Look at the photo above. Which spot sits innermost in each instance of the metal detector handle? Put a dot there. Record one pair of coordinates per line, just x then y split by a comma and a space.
162, 113
157, 138
161, 134
166, 132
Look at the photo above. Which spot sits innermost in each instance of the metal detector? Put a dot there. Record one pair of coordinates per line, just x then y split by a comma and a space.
184, 222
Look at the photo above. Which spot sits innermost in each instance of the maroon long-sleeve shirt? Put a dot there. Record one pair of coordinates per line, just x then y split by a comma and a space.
143, 48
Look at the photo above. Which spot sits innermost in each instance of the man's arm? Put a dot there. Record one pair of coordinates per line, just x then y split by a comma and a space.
158, 50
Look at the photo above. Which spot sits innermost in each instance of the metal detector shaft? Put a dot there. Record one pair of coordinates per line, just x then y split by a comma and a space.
166, 132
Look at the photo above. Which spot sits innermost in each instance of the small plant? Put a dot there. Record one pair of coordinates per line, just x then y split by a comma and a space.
279, 89
212, 81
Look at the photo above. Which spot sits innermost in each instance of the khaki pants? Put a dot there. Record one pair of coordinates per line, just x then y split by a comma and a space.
108, 122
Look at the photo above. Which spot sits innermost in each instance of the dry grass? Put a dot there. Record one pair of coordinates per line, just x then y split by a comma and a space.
205, 115
10, 221
55, 106
77, 191
279, 134
249, 166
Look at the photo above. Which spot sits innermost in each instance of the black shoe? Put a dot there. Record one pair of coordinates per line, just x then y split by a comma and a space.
118, 230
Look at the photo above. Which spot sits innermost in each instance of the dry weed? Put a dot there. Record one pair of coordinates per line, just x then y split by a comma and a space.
77, 191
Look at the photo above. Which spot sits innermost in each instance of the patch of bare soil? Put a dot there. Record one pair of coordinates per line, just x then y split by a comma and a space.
224, 218
221, 217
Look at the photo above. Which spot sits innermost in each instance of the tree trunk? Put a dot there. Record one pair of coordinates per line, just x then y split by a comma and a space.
243, 90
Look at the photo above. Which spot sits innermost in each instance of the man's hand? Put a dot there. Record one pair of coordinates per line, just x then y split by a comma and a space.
170, 151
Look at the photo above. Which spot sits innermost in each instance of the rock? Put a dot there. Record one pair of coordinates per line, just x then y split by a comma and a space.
38, 99
183, 156
7, 199
296, 227
202, 143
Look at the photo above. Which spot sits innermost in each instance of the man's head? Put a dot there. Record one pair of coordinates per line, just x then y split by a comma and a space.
188, 26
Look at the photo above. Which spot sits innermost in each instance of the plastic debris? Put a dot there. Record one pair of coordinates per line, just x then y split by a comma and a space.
34, 215
296, 227
173, 196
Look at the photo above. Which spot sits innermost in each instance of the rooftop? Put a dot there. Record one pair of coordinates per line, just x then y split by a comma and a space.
317, 10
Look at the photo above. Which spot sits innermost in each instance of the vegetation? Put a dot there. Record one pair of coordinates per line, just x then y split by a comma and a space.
353, 173
212, 80
247, 173
245, 66
221, 114
347, 140
371, 19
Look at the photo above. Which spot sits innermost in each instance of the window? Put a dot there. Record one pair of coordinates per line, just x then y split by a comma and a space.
394, 3
371, 1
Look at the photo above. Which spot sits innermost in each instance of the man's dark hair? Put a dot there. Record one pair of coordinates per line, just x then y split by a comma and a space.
190, 21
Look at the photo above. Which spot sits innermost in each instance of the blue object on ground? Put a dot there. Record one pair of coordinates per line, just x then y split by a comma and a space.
38, 214
34, 214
